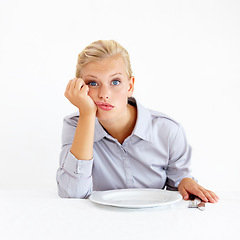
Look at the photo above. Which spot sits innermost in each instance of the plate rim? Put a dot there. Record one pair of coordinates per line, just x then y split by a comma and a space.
92, 197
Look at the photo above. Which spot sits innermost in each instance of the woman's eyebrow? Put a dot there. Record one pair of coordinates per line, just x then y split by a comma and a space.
110, 75
91, 76
115, 74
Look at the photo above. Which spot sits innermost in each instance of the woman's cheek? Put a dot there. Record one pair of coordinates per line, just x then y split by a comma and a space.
91, 92
122, 92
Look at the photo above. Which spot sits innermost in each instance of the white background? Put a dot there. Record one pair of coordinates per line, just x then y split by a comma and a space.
185, 58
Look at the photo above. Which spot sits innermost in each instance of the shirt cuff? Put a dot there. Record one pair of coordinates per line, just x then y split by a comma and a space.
173, 185
77, 167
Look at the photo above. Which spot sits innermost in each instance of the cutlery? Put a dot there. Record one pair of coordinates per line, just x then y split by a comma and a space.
196, 202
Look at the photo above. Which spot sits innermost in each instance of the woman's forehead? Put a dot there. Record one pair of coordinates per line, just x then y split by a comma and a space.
109, 66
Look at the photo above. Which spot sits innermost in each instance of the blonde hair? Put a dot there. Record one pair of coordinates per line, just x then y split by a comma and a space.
99, 50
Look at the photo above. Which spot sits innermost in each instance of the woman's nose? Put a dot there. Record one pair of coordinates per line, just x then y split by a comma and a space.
104, 92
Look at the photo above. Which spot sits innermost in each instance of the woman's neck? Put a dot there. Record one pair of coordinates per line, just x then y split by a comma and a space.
122, 128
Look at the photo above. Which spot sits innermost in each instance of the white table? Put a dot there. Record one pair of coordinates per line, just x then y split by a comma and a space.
43, 215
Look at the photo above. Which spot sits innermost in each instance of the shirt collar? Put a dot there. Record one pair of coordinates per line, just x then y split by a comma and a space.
142, 129
99, 132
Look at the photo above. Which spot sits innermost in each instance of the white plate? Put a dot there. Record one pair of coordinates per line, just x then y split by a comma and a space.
136, 198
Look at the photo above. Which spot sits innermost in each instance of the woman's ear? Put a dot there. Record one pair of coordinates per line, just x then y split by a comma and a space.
131, 86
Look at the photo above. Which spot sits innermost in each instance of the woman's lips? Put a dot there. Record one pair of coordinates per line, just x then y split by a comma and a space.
104, 106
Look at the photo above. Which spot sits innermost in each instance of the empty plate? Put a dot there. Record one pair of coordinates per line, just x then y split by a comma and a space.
136, 198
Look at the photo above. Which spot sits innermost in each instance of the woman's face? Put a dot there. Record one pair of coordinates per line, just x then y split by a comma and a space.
109, 87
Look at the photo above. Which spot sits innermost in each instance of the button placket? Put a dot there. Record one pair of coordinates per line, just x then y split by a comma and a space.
127, 167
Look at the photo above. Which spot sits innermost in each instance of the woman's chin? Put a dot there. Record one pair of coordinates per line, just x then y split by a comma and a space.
103, 115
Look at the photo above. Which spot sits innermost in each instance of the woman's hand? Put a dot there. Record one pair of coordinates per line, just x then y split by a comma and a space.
77, 93
188, 186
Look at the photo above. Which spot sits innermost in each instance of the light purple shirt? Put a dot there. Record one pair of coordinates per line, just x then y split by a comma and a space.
155, 155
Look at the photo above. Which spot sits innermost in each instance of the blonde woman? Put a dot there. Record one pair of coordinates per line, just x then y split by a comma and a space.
113, 142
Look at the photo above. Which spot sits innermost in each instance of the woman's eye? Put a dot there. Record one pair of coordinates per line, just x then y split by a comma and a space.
115, 82
92, 84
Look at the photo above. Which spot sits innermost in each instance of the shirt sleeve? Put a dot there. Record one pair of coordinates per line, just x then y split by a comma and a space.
74, 177
179, 160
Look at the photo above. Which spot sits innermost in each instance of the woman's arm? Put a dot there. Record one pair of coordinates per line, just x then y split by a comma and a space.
74, 176
179, 170
77, 93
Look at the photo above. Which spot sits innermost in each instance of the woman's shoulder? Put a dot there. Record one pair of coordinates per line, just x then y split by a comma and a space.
164, 124
156, 115
71, 119
157, 120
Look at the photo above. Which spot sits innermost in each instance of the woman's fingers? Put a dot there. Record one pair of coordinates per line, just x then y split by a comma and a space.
206, 195
75, 85
79, 84
77, 93
69, 85
184, 193
189, 186
211, 196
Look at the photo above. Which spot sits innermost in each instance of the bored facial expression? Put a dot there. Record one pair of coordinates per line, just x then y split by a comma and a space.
109, 85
